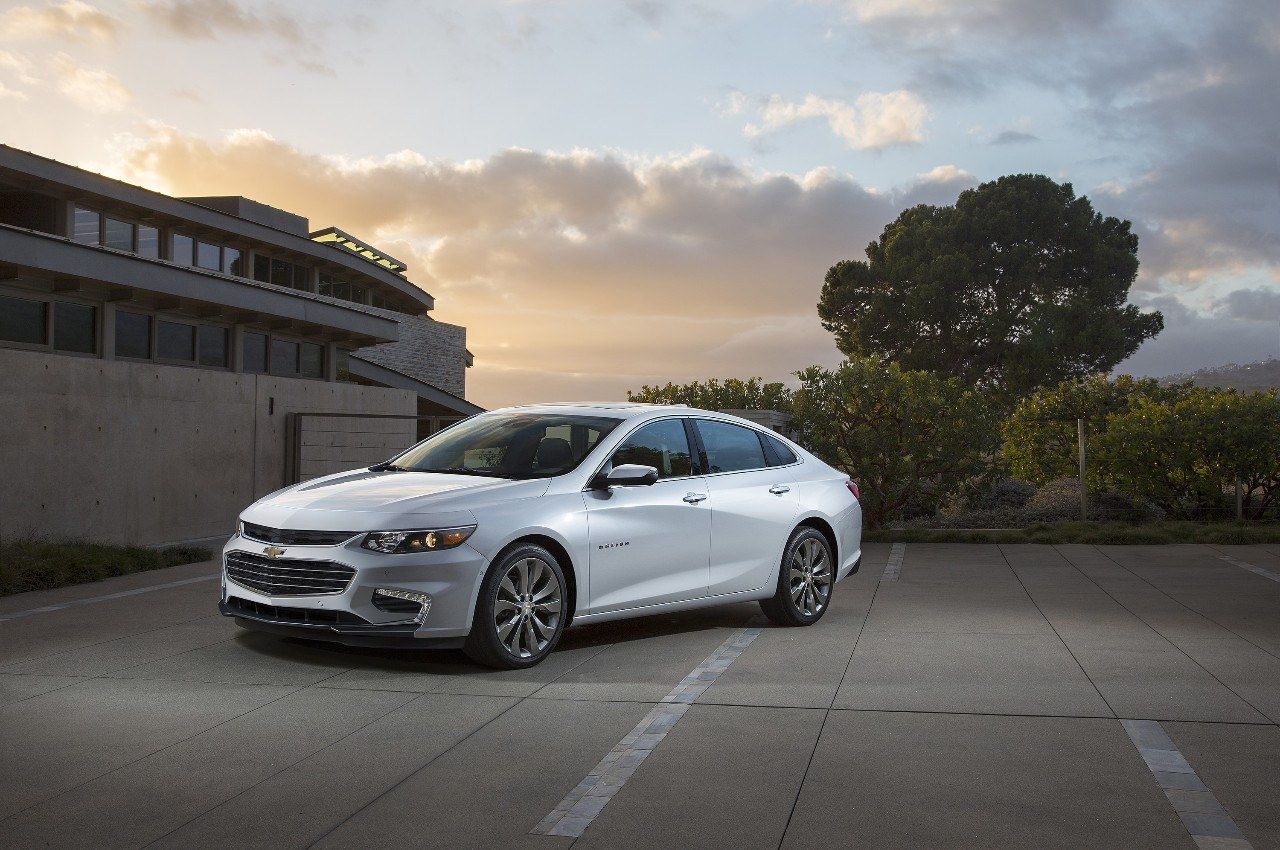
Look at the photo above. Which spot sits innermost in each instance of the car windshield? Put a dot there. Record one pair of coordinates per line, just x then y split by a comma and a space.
508, 445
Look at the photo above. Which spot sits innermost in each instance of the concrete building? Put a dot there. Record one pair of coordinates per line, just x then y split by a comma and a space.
164, 361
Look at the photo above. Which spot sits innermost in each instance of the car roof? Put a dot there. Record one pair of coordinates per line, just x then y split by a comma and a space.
616, 409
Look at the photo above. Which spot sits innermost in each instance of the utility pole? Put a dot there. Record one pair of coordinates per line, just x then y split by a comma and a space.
1084, 492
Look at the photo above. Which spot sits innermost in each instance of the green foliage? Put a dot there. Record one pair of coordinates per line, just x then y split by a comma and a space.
906, 437
1020, 284
33, 564
1186, 455
1040, 443
715, 394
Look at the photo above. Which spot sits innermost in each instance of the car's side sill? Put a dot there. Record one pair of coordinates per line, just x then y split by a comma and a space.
663, 607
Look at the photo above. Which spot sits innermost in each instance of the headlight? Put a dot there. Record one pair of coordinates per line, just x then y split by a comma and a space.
432, 540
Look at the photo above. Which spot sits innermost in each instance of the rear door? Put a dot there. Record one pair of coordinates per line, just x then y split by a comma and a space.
650, 544
754, 507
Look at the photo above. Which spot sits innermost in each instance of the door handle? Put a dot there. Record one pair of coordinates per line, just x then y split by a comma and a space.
779, 489
694, 498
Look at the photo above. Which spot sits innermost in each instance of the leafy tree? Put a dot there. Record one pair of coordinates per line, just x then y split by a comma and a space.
1040, 435
1019, 285
902, 435
714, 394
1186, 455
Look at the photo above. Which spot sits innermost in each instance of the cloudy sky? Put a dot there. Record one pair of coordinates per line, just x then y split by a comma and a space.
614, 192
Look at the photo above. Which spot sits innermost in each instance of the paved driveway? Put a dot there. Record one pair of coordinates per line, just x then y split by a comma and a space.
975, 696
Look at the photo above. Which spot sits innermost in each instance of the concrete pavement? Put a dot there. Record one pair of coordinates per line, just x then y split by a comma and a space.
975, 700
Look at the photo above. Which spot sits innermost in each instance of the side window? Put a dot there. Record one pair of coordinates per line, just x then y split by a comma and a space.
730, 448
662, 445
779, 453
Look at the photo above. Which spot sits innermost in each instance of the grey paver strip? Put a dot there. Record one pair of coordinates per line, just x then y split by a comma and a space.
893, 567
1206, 821
45, 609
1245, 565
578, 809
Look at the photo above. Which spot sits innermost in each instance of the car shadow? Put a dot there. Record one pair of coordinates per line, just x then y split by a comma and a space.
453, 662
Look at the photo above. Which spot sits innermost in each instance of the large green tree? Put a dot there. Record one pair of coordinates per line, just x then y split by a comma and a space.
1019, 285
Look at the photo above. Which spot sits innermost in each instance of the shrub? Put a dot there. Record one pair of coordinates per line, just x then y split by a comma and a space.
33, 564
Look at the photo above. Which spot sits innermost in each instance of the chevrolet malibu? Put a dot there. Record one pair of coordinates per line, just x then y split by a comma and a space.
500, 532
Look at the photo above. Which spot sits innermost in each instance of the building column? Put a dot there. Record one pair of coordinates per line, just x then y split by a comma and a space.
108, 334
64, 219
237, 348
331, 361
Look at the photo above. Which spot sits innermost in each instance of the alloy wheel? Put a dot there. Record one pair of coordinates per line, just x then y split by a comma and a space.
810, 577
527, 610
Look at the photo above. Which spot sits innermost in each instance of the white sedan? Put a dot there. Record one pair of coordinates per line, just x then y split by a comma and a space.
498, 533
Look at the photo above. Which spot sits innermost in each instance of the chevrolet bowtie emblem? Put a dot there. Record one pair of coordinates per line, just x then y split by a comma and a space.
273, 551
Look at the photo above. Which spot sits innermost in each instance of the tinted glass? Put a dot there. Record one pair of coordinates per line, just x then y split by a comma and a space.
75, 328
281, 273
730, 447
357, 294
261, 268
176, 341
22, 320
133, 334
312, 360
86, 226
301, 277
255, 353
662, 445
509, 445
118, 234
209, 256
148, 241
233, 261
183, 246
213, 345
780, 451
284, 357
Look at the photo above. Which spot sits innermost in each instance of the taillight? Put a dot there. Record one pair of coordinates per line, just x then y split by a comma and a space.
853, 488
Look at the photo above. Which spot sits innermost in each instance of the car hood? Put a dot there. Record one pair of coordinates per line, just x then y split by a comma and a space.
345, 501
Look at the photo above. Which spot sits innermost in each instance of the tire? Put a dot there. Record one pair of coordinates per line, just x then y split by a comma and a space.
806, 579
518, 621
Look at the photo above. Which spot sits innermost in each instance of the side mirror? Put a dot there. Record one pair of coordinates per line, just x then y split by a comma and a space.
626, 475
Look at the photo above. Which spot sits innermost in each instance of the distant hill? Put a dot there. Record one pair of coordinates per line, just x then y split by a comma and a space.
1249, 376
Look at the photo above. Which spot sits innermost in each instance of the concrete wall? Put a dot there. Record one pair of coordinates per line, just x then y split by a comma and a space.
141, 453
334, 444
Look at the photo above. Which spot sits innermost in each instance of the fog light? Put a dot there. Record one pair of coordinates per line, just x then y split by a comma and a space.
396, 601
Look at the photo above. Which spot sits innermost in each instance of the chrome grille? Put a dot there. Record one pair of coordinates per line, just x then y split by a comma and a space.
287, 577
291, 537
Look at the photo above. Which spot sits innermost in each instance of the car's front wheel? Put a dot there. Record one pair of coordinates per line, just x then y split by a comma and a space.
805, 580
520, 614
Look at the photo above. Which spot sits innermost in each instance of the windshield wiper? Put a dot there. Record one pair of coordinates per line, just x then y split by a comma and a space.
463, 470
388, 467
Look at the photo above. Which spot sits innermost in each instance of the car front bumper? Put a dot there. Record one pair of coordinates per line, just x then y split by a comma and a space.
450, 578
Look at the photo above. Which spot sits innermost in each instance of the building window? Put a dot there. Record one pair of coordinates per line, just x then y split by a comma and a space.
133, 335
176, 341
183, 249
311, 360
209, 256
380, 301
75, 328
233, 261
254, 349
87, 227
23, 320
148, 241
213, 346
284, 357
262, 268
118, 234
302, 278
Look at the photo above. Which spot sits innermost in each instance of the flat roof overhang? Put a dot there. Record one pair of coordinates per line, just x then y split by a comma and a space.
40, 173
391, 378
43, 255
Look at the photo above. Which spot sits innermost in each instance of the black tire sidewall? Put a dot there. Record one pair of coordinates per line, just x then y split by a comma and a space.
482, 642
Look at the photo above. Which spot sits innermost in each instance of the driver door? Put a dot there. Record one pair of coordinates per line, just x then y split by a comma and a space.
651, 543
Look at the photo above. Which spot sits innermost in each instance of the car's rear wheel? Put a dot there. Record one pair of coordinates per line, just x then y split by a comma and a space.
521, 611
806, 578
